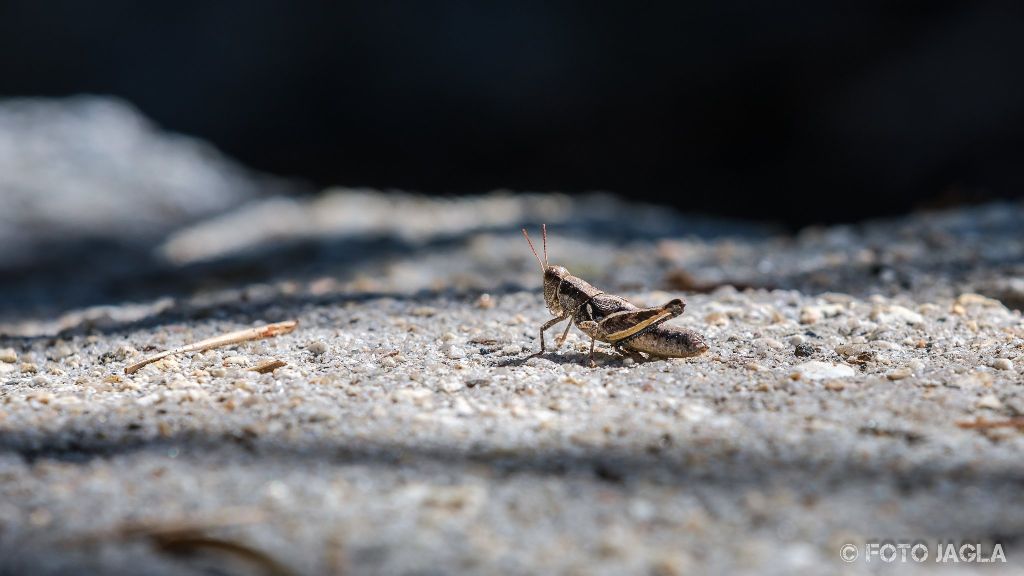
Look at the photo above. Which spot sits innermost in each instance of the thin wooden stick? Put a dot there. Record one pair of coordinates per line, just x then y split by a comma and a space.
259, 333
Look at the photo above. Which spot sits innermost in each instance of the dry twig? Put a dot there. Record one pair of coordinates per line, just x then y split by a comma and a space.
259, 333
186, 536
983, 424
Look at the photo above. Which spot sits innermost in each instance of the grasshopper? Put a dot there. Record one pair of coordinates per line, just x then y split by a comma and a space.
629, 329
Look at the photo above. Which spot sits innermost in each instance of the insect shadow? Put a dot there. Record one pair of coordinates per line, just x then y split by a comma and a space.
602, 359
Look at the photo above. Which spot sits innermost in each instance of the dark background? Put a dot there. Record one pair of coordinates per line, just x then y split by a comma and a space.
800, 112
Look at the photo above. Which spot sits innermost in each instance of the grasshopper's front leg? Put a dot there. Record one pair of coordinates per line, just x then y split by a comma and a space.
547, 325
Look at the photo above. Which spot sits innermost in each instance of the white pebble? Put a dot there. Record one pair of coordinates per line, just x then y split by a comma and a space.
810, 315
813, 314
818, 370
990, 401
7, 355
896, 314
451, 386
317, 347
797, 339
149, 399
512, 349
415, 395
454, 352
1002, 364
59, 350
462, 407
235, 361
770, 343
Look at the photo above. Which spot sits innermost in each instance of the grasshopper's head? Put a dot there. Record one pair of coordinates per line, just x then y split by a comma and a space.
553, 278
553, 275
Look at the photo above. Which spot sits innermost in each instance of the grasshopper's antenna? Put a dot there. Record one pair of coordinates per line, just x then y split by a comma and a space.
534, 250
544, 234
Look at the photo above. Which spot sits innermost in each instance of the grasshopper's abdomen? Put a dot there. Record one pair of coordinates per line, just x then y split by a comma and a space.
669, 342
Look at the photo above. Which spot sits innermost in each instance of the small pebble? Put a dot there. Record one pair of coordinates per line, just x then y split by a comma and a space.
851, 349
512, 349
462, 407
59, 350
797, 339
896, 314
817, 370
124, 352
452, 385
814, 314
804, 350
235, 361
7, 355
424, 311
835, 385
455, 353
717, 319
886, 345
1002, 364
899, 374
990, 401
809, 315
771, 343
317, 347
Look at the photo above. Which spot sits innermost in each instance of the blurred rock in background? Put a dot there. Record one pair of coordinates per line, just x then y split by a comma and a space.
87, 170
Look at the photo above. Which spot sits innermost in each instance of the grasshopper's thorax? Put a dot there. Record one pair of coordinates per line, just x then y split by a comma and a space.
564, 292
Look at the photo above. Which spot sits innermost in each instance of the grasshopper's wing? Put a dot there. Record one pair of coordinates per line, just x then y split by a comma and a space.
628, 323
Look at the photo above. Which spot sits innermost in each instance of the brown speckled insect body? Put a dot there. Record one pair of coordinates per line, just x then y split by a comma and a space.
612, 319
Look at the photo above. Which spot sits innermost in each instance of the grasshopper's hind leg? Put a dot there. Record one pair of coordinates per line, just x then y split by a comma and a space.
590, 328
626, 352
619, 328
620, 347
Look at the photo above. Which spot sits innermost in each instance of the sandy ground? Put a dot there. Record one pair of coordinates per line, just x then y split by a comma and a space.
848, 395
